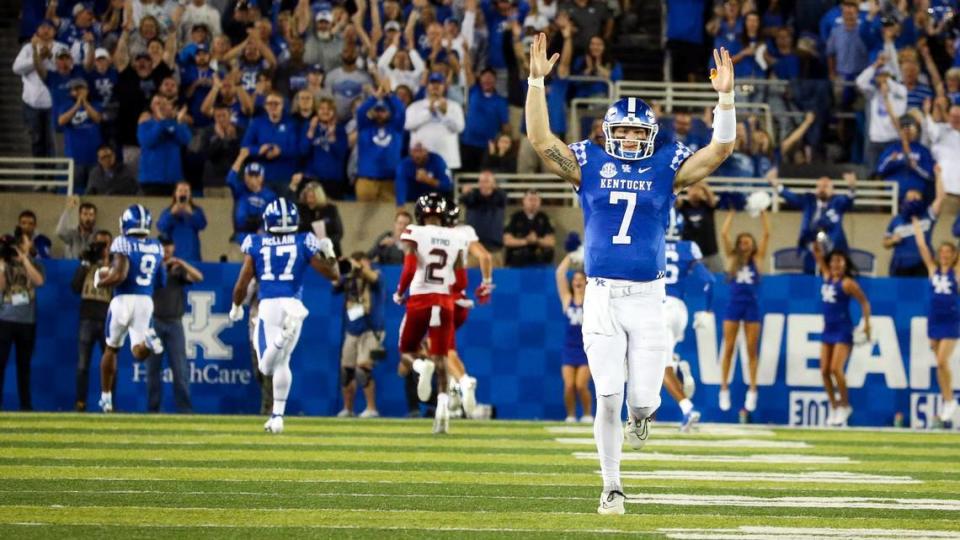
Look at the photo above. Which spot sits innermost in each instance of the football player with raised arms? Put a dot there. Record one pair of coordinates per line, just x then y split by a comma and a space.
430, 272
278, 259
136, 267
683, 260
626, 189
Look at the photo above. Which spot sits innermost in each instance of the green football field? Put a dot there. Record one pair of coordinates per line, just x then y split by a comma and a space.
125, 476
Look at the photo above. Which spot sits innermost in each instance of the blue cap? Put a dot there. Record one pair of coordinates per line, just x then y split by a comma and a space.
253, 169
202, 47
316, 68
380, 104
437, 77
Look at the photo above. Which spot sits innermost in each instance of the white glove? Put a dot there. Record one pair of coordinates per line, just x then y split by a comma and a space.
700, 319
398, 298
326, 248
236, 312
97, 274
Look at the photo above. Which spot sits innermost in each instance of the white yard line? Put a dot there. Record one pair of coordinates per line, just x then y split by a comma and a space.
721, 458
790, 533
720, 430
876, 503
816, 477
701, 443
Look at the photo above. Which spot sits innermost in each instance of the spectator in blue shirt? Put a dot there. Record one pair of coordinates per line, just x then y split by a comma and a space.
597, 62
822, 212
684, 128
273, 139
917, 92
726, 27
487, 115
250, 196
380, 133
910, 172
420, 173
57, 81
80, 123
102, 79
906, 260
745, 49
499, 14
196, 81
846, 48
182, 222
325, 148
685, 38
162, 135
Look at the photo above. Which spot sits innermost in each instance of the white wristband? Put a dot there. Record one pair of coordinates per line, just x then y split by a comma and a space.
726, 98
535, 82
724, 125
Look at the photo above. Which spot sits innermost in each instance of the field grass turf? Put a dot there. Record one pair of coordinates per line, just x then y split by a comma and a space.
134, 476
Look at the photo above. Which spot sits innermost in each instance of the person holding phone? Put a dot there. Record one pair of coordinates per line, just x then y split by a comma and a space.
182, 222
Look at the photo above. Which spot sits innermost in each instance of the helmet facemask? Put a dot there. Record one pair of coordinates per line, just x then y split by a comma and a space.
644, 147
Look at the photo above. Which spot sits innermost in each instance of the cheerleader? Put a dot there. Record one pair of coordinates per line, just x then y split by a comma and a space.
837, 287
574, 369
744, 259
943, 320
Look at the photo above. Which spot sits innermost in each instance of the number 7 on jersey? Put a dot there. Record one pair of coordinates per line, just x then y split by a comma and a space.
615, 197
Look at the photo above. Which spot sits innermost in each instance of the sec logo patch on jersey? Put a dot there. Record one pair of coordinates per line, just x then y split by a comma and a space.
609, 170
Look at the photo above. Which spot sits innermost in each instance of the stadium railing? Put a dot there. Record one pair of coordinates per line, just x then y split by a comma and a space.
31, 172
871, 194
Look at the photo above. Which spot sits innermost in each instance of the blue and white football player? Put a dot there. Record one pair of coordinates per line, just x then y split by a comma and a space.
683, 260
135, 269
278, 259
626, 190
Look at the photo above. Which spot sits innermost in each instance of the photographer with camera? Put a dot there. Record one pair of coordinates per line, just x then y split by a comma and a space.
76, 227
182, 222
94, 303
169, 305
364, 331
20, 275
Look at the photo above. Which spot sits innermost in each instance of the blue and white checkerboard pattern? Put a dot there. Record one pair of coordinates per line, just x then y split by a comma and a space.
511, 345
680, 153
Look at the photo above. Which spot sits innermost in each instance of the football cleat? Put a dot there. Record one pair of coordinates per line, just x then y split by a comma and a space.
611, 502
153, 342
636, 432
425, 384
724, 400
689, 384
274, 424
370, 413
689, 420
750, 402
468, 391
106, 404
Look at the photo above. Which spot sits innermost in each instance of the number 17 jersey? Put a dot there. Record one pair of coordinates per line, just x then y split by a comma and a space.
626, 208
279, 261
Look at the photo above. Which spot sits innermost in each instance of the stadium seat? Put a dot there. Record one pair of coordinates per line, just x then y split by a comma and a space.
786, 260
864, 261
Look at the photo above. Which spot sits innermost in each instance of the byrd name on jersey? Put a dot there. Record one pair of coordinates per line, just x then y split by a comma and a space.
280, 262
146, 269
626, 207
437, 250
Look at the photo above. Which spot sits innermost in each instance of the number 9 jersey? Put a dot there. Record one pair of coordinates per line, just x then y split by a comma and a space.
626, 207
279, 261
146, 269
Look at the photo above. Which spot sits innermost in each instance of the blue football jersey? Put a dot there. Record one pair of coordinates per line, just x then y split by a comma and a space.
146, 269
681, 257
280, 260
626, 207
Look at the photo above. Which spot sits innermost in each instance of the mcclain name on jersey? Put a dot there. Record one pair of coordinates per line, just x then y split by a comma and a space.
279, 240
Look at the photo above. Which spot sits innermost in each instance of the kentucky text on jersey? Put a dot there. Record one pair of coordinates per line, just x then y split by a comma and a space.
635, 185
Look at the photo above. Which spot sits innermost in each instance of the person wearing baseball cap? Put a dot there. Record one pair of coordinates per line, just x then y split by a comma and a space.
437, 121
250, 195
58, 82
102, 78
80, 122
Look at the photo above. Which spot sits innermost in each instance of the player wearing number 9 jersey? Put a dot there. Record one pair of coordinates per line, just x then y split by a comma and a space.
136, 268
430, 273
279, 259
626, 188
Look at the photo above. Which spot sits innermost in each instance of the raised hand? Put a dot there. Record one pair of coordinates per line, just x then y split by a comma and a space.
722, 76
540, 66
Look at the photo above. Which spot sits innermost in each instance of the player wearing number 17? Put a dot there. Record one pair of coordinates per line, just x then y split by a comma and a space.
626, 190
279, 259
135, 269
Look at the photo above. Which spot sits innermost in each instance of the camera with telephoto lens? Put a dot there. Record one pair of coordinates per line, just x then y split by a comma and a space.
94, 253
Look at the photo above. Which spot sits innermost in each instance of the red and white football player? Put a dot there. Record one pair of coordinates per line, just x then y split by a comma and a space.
429, 274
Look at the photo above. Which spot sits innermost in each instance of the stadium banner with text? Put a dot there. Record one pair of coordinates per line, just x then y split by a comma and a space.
512, 346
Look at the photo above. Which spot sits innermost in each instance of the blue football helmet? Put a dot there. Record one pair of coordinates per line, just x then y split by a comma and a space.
633, 112
135, 220
675, 225
281, 217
